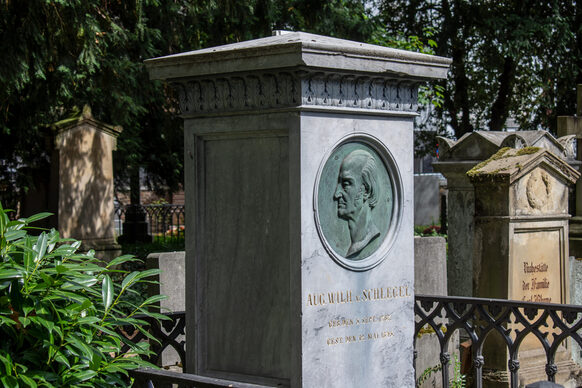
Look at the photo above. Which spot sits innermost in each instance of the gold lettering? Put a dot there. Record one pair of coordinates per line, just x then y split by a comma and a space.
330, 297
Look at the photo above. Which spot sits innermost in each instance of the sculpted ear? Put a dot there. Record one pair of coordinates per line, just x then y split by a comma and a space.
366, 192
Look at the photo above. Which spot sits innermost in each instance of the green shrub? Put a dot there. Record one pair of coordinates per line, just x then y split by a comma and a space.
59, 311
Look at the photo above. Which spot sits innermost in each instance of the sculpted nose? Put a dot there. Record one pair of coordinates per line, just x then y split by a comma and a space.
337, 193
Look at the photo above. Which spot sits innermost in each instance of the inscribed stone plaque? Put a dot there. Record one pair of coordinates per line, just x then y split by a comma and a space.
355, 203
537, 271
537, 266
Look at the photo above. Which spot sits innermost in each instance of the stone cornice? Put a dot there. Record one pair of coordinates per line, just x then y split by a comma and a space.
295, 49
300, 88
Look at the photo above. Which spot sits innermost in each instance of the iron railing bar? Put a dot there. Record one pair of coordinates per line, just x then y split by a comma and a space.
163, 376
489, 301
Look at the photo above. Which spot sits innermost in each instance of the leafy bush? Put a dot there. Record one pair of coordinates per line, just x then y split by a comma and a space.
59, 311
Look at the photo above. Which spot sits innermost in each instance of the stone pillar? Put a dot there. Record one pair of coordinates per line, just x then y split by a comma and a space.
299, 184
520, 247
85, 186
460, 228
572, 125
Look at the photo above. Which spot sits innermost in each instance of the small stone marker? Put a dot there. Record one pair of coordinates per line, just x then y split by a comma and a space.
521, 242
85, 182
299, 187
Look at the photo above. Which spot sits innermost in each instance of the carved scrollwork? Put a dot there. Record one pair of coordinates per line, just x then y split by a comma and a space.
551, 369
267, 90
513, 365
445, 358
478, 362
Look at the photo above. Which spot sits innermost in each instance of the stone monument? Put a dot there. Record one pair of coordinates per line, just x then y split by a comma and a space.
85, 182
521, 243
458, 157
299, 253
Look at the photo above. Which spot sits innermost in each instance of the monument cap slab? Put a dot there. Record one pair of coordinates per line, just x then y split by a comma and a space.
296, 49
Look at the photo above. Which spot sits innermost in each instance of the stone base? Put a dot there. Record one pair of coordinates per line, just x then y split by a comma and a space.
135, 231
105, 249
533, 369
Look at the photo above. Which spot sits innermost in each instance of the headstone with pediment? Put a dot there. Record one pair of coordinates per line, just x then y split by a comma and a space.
84, 153
458, 157
520, 247
299, 184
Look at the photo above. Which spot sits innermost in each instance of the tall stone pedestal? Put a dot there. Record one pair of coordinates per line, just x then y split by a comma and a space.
85, 182
520, 248
299, 254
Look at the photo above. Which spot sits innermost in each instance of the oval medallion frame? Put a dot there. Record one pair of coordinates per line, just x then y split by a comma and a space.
388, 232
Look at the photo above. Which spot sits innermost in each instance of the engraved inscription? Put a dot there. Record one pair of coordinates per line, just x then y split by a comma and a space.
537, 267
540, 285
366, 333
358, 327
366, 295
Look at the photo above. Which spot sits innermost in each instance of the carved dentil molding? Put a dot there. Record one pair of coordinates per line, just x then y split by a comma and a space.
292, 89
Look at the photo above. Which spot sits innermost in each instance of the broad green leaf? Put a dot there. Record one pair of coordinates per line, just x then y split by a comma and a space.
9, 273
84, 375
129, 279
148, 273
28, 381
9, 382
12, 235
87, 320
122, 259
154, 299
40, 247
6, 362
83, 347
107, 292
37, 217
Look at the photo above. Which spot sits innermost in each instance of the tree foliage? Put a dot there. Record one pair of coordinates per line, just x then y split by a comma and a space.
518, 59
510, 58
61, 54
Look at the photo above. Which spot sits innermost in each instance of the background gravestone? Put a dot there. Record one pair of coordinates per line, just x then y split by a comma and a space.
458, 157
298, 171
521, 243
84, 159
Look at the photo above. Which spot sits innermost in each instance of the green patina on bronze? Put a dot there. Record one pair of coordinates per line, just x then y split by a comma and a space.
355, 200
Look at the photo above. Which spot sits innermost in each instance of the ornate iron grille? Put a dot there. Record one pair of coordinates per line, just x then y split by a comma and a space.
550, 323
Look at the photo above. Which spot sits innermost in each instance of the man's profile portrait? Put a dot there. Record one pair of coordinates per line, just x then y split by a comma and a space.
356, 195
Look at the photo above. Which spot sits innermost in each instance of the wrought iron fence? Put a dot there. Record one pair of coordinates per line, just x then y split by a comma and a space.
165, 221
551, 324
